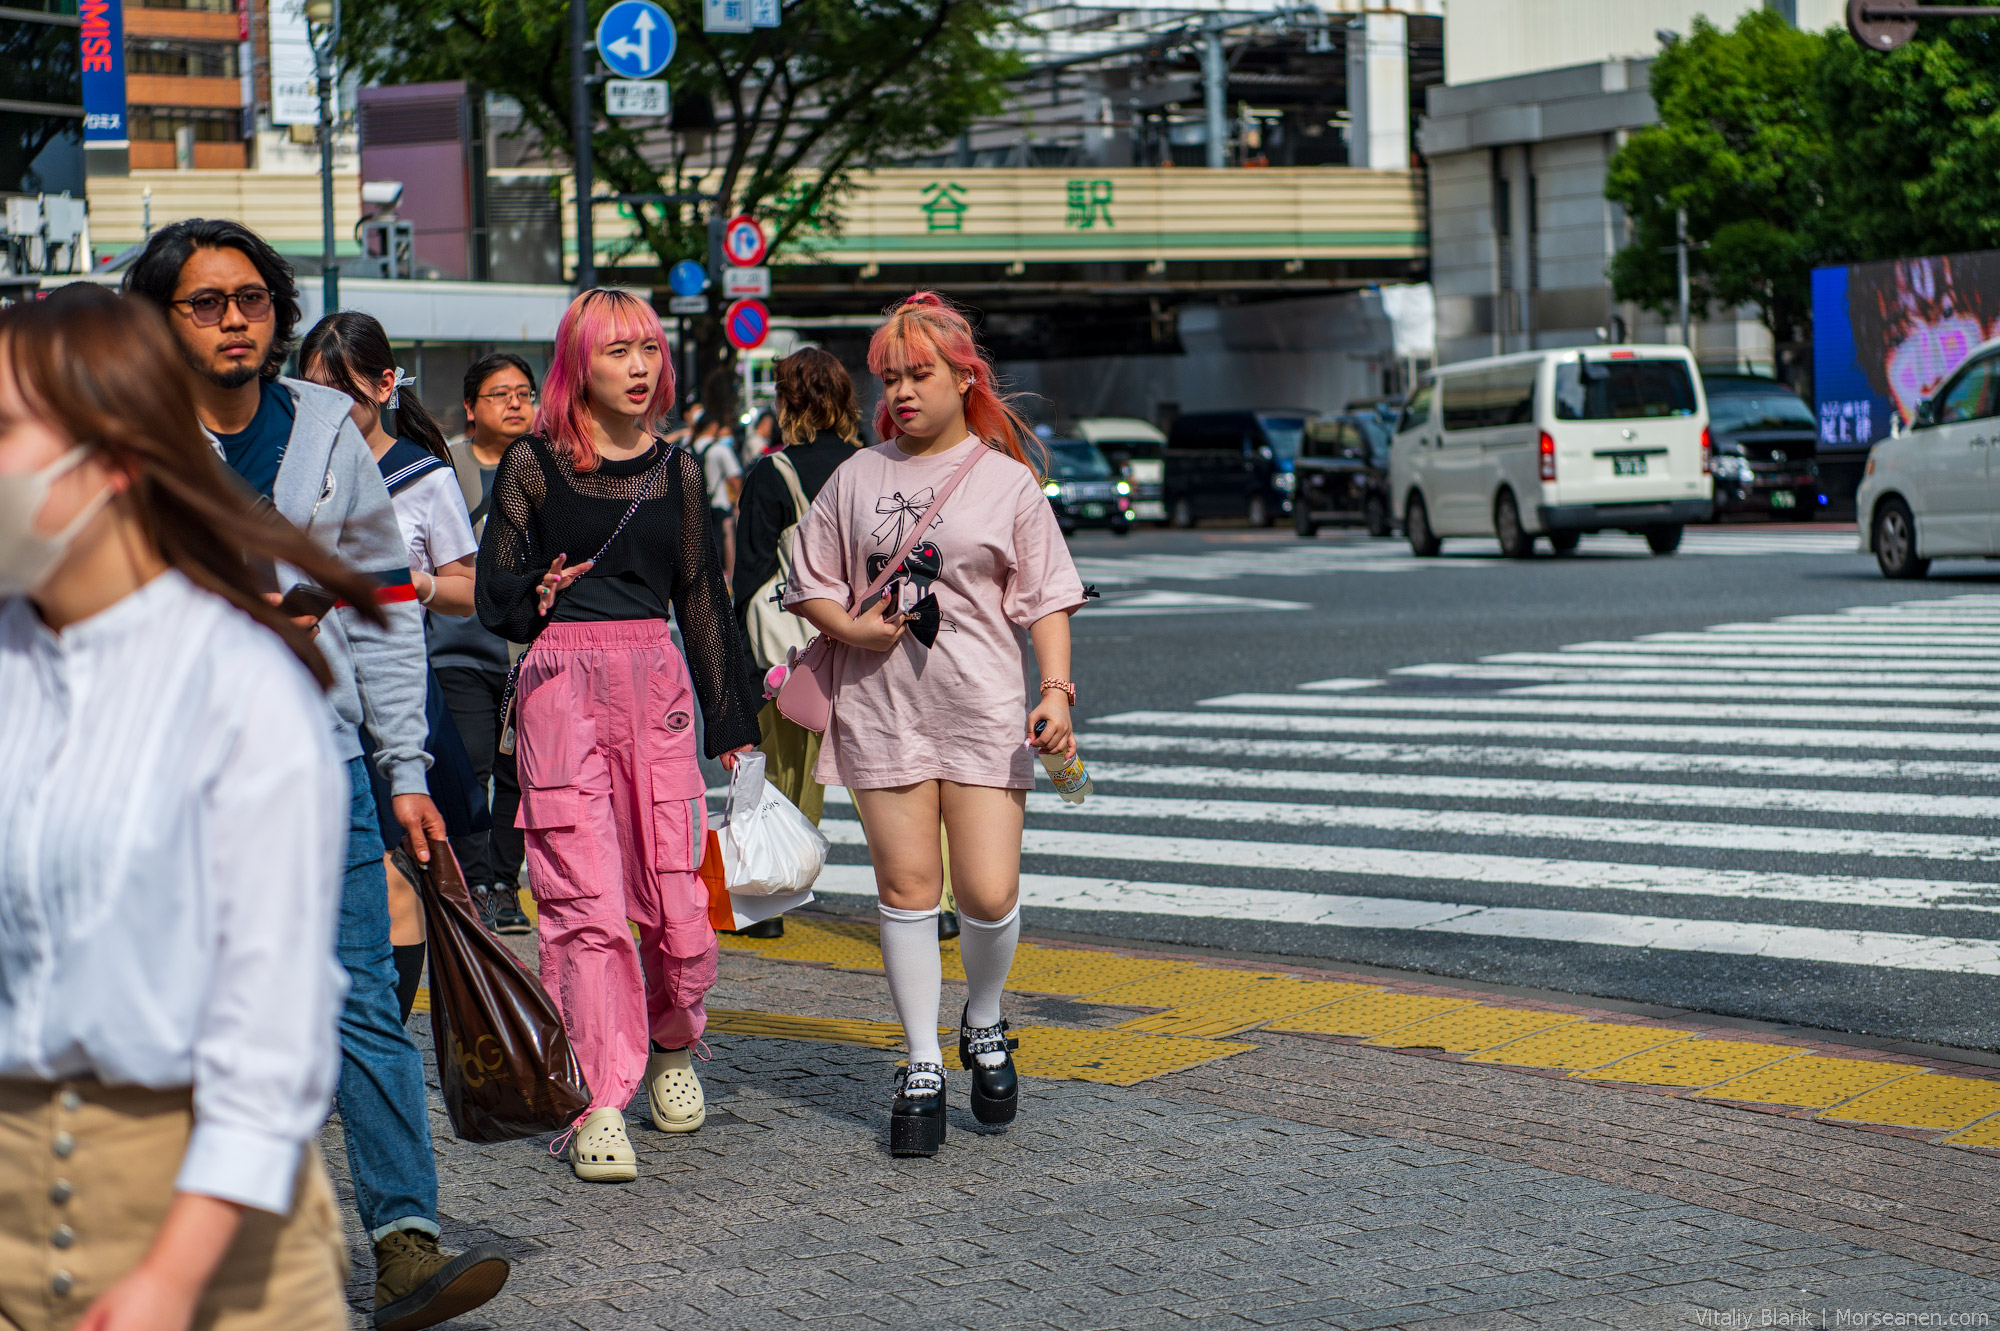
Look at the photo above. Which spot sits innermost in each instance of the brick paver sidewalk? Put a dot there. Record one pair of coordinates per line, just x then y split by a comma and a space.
1307, 1182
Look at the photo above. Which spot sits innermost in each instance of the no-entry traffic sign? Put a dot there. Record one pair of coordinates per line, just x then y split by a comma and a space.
746, 323
743, 241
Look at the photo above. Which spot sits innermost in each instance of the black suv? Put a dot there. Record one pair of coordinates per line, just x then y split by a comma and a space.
1764, 450
1232, 464
1343, 474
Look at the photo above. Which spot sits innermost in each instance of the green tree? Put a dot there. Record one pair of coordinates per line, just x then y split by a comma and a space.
1742, 145
839, 84
1919, 132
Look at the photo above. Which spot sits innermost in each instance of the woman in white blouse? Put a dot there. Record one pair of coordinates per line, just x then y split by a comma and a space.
172, 816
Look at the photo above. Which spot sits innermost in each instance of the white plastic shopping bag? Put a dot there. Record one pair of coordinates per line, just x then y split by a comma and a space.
769, 848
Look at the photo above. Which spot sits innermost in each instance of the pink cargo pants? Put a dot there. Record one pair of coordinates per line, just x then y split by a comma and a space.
615, 819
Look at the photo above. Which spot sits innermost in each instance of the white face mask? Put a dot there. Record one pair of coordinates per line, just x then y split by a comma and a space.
27, 557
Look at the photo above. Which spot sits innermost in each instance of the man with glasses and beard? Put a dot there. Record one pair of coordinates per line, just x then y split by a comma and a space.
471, 660
232, 305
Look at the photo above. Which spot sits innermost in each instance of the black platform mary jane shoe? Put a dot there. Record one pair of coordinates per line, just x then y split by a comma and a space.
996, 1092
916, 1117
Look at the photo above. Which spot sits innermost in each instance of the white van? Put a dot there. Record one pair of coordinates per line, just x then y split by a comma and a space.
1556, 444
1136, 448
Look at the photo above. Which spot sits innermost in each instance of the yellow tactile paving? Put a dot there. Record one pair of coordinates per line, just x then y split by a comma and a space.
833, 943
1472, 1028
1123, 1058
1579, 1046
1075, 971
1243, 1008
1811, 1082
1927, 1100
1370, 1014
1694, 1063
1985, 1133
1179, 988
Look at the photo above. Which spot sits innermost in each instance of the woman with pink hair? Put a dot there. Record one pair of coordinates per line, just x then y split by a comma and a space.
596, 527
929, 721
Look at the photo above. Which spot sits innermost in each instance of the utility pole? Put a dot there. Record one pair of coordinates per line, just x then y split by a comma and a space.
579, 128
325, 15
1681, 273
1215, 92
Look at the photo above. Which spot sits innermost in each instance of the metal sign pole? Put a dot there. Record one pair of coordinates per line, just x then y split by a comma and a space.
579, 123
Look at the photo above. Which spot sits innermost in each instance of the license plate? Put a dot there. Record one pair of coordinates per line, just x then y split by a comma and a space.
1092, 510
1150, 510
1633, 466
1783, 499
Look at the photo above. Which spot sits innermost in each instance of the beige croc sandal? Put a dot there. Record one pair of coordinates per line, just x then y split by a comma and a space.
599, 1150
674, 1091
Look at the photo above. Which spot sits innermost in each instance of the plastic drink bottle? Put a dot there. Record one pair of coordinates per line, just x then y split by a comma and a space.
1072, 779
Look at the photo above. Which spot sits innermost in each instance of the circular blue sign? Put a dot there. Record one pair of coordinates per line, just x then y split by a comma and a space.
635, 39
687, 278
745, 324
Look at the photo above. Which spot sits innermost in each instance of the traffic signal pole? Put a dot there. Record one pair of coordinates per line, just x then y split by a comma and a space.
580, 127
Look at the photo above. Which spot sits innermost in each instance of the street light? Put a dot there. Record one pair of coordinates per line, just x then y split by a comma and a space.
323, 26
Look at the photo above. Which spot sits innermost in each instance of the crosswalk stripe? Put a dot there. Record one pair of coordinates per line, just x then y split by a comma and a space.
1576, 760
1867, 803
1319, 702
1542, 827
1593, 876
1670, 674
1954, 631
1970, 956
1758, 736
1732, 688
1721, 661
1832, 649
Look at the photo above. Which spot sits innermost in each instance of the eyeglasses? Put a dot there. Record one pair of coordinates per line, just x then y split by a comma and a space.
508, 396
206, 309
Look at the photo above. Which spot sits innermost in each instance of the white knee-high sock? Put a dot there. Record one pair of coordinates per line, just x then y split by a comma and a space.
916, 976
987, 948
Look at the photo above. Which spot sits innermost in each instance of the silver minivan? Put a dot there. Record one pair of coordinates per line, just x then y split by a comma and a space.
1556, 444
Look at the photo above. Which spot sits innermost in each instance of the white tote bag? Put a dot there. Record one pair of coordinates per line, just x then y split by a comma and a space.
769, 848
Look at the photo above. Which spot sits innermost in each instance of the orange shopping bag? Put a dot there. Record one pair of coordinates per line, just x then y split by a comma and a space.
721, 915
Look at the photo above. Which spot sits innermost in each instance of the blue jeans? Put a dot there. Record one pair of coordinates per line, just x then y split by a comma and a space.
381, 1096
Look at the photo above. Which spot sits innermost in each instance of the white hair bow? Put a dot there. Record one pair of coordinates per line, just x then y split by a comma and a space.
403, 376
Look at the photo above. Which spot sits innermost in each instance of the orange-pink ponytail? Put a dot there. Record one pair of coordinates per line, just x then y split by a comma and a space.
928, 327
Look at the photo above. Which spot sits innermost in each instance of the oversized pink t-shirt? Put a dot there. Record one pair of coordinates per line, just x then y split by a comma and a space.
957, 710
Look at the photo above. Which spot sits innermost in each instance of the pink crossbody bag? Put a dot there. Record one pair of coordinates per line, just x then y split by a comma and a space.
806, 696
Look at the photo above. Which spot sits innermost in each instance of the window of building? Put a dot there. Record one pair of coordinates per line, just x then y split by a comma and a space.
165, 55
205, 6
211, 125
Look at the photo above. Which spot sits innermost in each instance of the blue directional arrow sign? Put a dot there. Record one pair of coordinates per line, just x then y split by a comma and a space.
635, 38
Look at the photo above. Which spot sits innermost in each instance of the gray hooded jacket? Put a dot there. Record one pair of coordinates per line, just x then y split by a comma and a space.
329, 487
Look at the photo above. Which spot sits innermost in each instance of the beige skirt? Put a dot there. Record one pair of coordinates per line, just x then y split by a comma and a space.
86, 1175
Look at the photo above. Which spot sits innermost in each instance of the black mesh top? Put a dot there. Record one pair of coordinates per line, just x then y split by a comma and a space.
543, 507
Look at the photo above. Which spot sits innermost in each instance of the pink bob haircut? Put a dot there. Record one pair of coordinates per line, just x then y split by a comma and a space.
593, 321
927, 327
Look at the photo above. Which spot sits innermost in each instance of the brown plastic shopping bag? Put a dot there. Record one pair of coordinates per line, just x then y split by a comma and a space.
504, 1062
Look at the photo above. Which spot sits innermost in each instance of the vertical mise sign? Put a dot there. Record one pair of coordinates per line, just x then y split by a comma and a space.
102, 46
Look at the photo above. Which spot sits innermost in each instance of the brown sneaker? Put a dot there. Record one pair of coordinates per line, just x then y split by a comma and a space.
416, 1285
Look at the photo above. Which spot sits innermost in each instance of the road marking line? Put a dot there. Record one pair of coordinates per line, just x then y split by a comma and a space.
1435, 704
1753, 650
1729, 663
1509, 870
1578, 730
1735, 938
1867, 803
1732, 688
1498, 755
1696, 674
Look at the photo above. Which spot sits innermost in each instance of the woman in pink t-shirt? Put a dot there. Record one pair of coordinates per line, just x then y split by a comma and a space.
930, 720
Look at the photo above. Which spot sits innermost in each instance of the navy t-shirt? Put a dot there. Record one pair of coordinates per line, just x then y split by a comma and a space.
255, 452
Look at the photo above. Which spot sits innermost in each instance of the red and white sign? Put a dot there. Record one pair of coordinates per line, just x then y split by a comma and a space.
738, 283
746, 323
744, 242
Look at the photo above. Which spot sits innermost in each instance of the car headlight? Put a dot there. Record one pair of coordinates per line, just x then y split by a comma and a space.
1052, 489
1284, 480
1124, 487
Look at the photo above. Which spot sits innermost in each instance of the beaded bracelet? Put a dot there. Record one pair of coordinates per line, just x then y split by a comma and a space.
1063, 686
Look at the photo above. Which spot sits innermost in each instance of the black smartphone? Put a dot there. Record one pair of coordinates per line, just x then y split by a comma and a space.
306, 599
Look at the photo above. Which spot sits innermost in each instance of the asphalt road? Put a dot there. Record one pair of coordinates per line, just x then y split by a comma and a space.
1789, 820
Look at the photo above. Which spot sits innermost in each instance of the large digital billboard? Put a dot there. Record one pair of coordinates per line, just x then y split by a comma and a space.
1886, 334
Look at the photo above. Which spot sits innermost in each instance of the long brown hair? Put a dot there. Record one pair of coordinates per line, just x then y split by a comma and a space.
816, 393
104, 370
